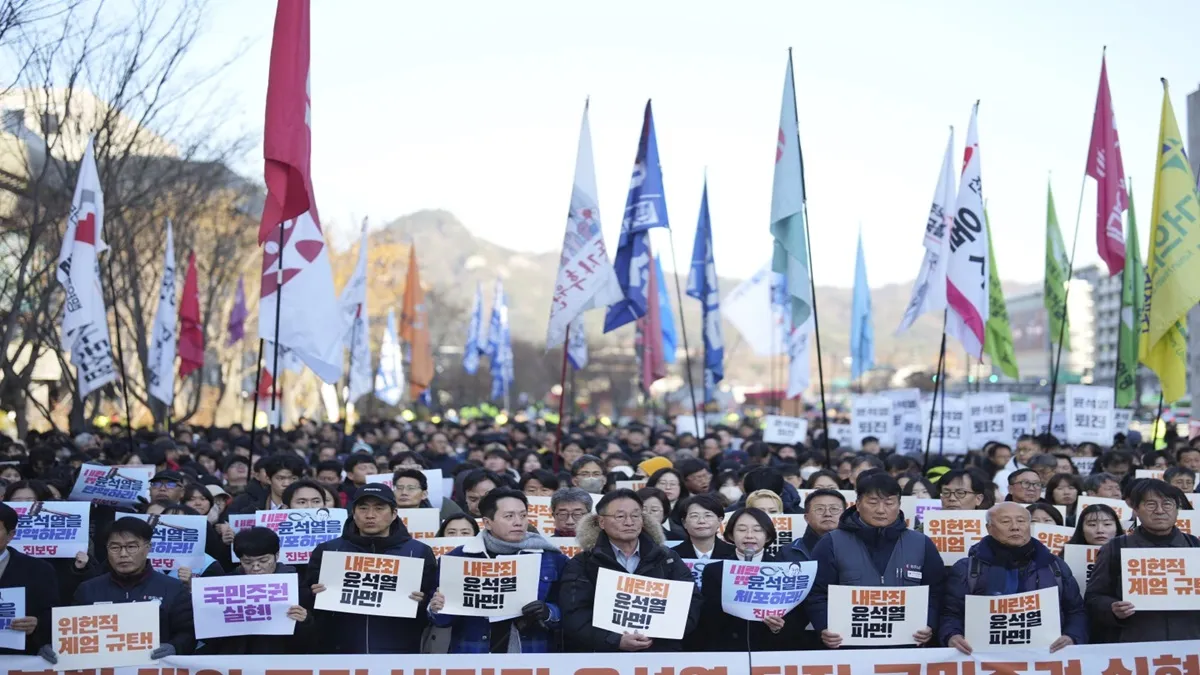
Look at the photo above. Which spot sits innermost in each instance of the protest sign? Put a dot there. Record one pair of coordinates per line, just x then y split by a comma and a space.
12, 606
1156, 474
1020, 414
872, 416
752, 591
237, 523
1186, 521
568, 545
628, 603
244, 604
1118, 505
498, 586
540, 516
955, 532
1054, 537
949, 435
634, 485
112, 485
300, 530
1059, 429
1081, 558
99, 636
785, 430
366, 583
788, 528
421, 523
910, 433
1121, 417
433, 477
877, 616
443, 545
696, 567
51, 529
688, 424
990, 418
904, 401
178, 541
1019, 621
913, 509
1161, 579
1089, 414
842, 433
1083, 465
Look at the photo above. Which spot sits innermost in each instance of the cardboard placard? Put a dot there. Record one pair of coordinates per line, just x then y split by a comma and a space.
877, 616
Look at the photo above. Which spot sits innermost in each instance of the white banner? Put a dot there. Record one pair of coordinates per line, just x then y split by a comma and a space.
178, 541
51, 529
785, 430
112, 485
244, 604
491, 587
364, 583
991, 418
1161, 579
1089, 414
99, 636
877, 616
872, 416
752, 591
1020, 621
949, 436
300, 530
421, 523
788, 528
628, 603
160, 364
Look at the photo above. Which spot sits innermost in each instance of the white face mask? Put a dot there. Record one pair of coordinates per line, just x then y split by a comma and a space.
732, 492
807, 471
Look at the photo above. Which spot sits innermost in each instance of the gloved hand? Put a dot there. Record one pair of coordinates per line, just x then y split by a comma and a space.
536, 611
47, 652
164, 650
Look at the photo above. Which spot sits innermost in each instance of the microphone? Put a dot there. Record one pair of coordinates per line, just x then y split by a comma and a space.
750, 553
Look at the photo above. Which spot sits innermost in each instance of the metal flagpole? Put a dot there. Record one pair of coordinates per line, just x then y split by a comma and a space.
687, 353
937, 385
562, 397
257, 383
278, 312
1062, 326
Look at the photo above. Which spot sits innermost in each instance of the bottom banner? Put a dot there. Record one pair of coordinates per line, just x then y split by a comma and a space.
1140, 658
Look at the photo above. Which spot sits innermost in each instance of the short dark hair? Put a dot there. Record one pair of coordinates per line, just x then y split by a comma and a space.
760, 516
824, 492
132, 526
978, 485
1045, 508
487, 505
1142, 489
654, 493
358, 458
276, 463
256, 541
329, 465
763, 478
864, 458
1184, 450
1012, 477
544, 476
583, 461
1048, 461
458, 516
622, 493
1102, 509
869, 439
1058, 479
877, 483
415, 474
8, 516
705, 501
690, 466
477, 476
299, 485
1168, 475
1095, 480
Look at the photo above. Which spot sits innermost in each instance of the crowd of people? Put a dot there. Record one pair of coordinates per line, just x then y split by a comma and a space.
707, 499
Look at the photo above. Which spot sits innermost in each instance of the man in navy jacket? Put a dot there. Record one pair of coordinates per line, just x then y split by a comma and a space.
37, 577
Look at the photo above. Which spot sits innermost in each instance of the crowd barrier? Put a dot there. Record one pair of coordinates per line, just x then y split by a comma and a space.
1140, 658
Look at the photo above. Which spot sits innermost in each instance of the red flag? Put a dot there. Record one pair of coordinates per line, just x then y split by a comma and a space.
654, 363
191, 335
1104, 164
287, 140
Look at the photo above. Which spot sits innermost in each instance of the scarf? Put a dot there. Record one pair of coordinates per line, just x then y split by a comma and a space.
1011, 557
532, 542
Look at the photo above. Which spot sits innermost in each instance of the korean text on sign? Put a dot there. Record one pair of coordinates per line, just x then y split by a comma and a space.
1053, 537
112, 485
1019, 621
954, 532
97, 636
492, 587
51, 529
1081, 558
244, 604
361, 583
788, 528
12, 606
786, 430
696, 567
1158, 579
628, 603
300, 530
753, 591
877, 617
178, 541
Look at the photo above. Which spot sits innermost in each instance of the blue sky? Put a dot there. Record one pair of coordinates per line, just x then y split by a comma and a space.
474, 107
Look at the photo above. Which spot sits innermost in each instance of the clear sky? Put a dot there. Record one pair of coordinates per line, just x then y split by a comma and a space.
474, 107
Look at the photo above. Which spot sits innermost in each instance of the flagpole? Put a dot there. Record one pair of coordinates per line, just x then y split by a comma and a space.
687, 353
257, 383
112, 287
562, 397
937, 385
1157, 419
275, 358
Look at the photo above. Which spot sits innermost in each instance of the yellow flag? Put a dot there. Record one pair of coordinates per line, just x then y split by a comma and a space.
1173, 270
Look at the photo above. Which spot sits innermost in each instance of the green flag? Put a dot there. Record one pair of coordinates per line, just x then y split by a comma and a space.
998, 340
1133, 281
1058, 267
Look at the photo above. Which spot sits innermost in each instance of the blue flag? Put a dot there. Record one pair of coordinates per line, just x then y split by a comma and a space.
471, 350
645, 208
499, 348
665, 317
390, 378
862, 331
702, 285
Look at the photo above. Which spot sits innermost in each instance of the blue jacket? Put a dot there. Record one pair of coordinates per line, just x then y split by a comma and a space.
472, 634
174, 612
981, 574
343, 633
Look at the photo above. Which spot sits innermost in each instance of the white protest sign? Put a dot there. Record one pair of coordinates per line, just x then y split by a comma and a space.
1020, 419
752, 591
540, 516
990, 418
421, 523
237, 523
491, 587
300, 530
1118, 505
910, 433
1084, 465
872, 416
696, 567
367, 583
634, 485
1019, 621
112, 485
1053, 537
102, 636
949, 435
628, 603
1089, 414
1161, 579
443, 545
12, 606
1059, 428
914, 508
568, 545
1156, 474
1081, 558
688, 424
877, 616
788, 528
842, 433
178, 541
244, 604
1121, 419
904, 401
51, 529
955, 532
785, 430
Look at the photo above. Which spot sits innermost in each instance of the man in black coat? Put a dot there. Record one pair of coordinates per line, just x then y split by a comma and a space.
37, 577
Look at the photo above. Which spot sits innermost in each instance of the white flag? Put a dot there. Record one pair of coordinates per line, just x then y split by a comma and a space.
161, 361
967, 272
389, 381
586, 279
799, 365
577, 351
85, 320
749, 308
929, 291
353, 303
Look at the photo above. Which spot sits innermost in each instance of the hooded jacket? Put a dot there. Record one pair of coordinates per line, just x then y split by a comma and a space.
577, 593
981, 573
344, 633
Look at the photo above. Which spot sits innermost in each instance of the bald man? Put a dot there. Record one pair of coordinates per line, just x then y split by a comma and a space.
1008, 561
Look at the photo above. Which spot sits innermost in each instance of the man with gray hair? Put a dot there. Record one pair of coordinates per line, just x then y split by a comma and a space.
1103, 485
569, 506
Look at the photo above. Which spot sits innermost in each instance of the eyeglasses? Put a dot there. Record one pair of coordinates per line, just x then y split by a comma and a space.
1029, 485
1165, 507
167, 484
258, 563
827, 510
957, 494
623, 517
570, 515
115, 549
701, 517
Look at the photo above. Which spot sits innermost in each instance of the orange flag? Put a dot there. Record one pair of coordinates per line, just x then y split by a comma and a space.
414, 330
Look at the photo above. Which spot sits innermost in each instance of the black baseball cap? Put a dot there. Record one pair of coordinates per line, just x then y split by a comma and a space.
168, 475
377, 491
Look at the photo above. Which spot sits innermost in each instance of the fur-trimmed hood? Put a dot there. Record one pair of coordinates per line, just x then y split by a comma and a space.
588, 531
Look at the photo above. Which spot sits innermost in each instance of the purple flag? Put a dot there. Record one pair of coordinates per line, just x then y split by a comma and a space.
237, 317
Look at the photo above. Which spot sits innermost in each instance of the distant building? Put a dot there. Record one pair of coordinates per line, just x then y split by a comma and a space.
1032, 340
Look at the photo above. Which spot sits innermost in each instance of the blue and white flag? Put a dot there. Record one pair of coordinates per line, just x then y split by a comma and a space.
862, 330
645, 208
763, 324
471, 350
499, 347
389, 381
797, 339
665, 316
577, 352
702, 285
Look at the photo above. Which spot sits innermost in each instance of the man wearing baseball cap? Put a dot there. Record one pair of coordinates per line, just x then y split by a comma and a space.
373, 528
